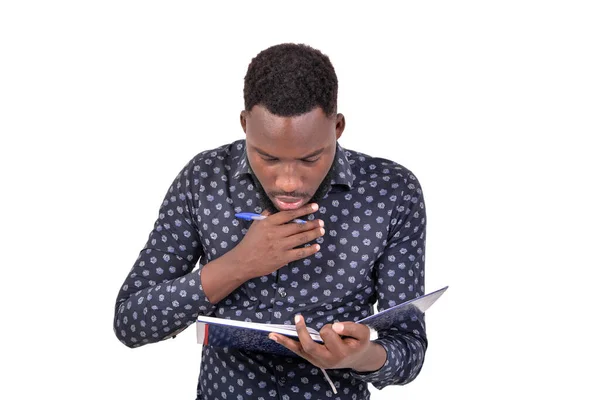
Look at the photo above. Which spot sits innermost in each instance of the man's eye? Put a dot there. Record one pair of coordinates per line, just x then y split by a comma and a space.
269, 159
310, 160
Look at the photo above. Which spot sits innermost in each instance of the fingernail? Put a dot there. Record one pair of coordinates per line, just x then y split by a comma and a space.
314, 207
297, 318
273, 338
321, 223
339, 328
318, 247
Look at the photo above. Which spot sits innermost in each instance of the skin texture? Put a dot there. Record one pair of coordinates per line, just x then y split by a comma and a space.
291, 157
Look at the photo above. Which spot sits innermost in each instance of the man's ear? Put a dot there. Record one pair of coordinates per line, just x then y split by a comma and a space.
243, 116
340, 125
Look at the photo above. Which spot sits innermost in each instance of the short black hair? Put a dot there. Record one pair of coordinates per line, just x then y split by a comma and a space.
291, 79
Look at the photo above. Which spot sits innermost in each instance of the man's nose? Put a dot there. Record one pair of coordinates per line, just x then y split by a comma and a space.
288, 180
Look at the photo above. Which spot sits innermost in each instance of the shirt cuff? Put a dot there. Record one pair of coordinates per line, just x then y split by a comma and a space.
387, 373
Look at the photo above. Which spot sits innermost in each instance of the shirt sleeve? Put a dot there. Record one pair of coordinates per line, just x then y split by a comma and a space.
400, 273
162, 294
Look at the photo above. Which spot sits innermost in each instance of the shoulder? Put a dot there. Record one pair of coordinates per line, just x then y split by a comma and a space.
381, 172
215, 161
222, 154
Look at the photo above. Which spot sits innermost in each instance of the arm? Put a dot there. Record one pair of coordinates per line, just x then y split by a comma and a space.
400, 273
161, 294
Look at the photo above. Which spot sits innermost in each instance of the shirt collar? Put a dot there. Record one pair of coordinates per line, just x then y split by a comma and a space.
342, 171
242, 166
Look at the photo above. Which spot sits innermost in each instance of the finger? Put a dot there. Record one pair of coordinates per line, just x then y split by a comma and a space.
283, 217
295, 346
287, 230
309, 346
332, 340
303, 252
287, 342
358, 331
302, 238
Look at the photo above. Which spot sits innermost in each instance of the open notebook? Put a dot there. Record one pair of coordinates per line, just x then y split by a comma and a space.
253, 336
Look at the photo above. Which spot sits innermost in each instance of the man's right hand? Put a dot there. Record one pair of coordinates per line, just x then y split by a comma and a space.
272, 242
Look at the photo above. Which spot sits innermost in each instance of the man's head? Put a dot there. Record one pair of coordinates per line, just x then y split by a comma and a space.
291, 124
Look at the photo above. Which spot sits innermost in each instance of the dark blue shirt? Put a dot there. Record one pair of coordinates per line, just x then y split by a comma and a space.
373, 250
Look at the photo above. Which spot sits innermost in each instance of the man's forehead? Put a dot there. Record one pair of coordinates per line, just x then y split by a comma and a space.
259, 115
303, 134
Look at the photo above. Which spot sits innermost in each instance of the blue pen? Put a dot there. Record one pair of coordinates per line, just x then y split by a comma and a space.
255, 217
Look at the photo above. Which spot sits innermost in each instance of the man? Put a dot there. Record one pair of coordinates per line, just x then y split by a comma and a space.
364, 242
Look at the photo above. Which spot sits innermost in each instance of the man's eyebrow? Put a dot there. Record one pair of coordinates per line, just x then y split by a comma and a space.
314, 153
262, 152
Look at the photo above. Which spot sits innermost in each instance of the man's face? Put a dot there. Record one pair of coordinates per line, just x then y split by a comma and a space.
291, 156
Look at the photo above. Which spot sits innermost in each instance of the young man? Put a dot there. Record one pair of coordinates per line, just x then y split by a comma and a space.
364, 242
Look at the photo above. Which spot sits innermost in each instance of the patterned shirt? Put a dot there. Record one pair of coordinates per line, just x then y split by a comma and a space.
373, 250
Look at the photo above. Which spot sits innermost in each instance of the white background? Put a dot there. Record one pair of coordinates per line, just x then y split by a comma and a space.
493, 105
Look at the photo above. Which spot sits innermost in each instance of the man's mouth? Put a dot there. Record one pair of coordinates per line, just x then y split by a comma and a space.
288, 203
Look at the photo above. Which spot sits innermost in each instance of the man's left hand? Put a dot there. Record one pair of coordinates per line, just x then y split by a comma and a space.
345, 345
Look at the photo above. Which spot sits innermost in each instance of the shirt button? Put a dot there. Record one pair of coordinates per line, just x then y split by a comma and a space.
282, 292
